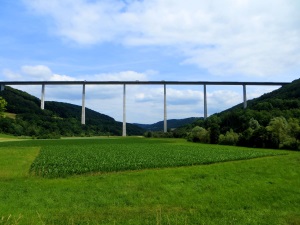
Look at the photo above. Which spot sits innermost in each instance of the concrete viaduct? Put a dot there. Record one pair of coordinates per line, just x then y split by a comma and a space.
124, 83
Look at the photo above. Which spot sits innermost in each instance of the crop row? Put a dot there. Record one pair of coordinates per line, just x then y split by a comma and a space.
109, 155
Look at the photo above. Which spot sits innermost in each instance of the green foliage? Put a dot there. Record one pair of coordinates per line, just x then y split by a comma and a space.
279, 127
214, 132
254, 124
20, 102
3, 105
70, 157
199, 134
148, 134
294, 128
158, 134
230, 138
286, 131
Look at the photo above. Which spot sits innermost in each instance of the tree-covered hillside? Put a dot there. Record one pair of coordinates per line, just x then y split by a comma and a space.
58, 119
284, 102
271, 121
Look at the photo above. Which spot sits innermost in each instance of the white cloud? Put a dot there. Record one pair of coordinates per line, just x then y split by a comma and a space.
58, 77
223, 99
11, 75
230, 37
79, 20
40, 72
184, 97
174, 96
120, 76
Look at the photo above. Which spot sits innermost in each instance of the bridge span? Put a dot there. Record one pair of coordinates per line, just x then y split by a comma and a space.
124, 83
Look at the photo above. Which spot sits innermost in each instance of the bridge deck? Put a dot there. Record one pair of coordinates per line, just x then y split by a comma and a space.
141, 83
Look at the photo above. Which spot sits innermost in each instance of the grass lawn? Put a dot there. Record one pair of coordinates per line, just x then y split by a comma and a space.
5, 137
264, 190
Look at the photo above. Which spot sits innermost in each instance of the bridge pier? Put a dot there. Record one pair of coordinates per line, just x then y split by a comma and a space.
124, 111
205, 101
244, 96
83, 105
43, 97
165, 109
2, 87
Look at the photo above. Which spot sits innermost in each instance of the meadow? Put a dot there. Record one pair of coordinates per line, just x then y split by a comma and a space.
146, 181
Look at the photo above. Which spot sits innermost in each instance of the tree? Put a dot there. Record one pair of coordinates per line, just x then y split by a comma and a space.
294, 127
292, 140
279, 127
213, 126
199, 134
3, 105
214, 132
148, 134
261, 138
230, 138
254, 124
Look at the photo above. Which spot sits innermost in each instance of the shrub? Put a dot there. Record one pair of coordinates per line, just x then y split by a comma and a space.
230, 138
199, 134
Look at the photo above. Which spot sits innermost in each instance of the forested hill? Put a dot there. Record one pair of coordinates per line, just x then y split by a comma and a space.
173, 123
284, 102
58, 119
271, 120
283, 98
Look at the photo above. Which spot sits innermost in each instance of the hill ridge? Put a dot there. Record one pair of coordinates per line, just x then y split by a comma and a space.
172, 123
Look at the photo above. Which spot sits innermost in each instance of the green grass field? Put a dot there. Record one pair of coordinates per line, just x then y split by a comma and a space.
5, 137
146, 181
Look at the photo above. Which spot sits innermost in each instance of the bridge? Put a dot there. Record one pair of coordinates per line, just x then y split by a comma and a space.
124, 83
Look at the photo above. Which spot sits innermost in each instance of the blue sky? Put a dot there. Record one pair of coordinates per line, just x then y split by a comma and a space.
192, 40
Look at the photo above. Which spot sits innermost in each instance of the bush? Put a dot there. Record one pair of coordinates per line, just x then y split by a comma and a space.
148, 134
199, 134
230, 138
49, 136
291, 144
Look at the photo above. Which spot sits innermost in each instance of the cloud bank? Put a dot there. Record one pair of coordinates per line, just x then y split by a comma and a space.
229, 37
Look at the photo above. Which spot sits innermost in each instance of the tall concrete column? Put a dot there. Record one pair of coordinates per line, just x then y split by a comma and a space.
244, 96
83, 105
124, 111
43, 97
165, 109
2, 87
205, 101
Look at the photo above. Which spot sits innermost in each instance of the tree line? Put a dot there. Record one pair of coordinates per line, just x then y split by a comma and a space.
280, 133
